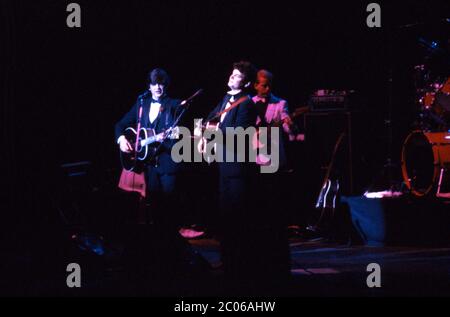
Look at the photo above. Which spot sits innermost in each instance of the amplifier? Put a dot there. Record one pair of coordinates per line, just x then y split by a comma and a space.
329, 100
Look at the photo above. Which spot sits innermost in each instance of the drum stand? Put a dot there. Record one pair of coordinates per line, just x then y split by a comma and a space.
389, 165
384, 181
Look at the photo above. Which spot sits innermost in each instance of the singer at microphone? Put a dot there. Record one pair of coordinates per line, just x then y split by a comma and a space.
155, 112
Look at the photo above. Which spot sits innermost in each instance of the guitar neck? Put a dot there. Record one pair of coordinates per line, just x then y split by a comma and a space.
330, 166
149, 140
172, 133
297, 112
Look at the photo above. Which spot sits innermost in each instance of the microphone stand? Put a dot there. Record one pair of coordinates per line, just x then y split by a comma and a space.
185, 103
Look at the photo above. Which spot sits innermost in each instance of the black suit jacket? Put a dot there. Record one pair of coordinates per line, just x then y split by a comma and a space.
167, 115
244, 115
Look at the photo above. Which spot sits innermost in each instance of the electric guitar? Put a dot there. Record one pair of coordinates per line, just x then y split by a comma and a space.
146, 147
298, 111
266, 135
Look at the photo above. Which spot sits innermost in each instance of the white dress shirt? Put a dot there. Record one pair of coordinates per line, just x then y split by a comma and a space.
154, 111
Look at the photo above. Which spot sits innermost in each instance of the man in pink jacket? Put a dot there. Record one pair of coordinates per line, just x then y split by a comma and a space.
272, 112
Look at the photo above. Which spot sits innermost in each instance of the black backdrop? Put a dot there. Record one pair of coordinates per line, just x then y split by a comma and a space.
65, 88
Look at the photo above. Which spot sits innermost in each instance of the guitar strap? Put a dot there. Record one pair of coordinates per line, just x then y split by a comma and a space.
138, 129
233, 105
167, 119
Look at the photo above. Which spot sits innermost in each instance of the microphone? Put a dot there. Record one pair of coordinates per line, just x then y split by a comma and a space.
198, 92
144, 95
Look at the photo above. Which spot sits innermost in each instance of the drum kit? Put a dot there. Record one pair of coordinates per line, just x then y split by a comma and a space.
426, 150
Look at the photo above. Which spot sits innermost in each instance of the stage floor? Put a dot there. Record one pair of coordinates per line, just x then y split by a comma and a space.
318, 269
327, 269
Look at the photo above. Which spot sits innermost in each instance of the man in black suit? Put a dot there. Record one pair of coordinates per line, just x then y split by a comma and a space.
158, 112
159, 246
234, 176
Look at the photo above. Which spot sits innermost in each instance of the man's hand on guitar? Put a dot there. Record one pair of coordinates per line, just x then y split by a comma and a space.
159, 137
125, 146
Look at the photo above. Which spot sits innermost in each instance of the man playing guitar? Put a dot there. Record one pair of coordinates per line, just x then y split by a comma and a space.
272, 112
232, 221
156, 111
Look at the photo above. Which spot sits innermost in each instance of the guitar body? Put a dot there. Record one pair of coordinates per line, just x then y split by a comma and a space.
146, 148
326, 202
328, 194
134, 160
203, 144
262, 143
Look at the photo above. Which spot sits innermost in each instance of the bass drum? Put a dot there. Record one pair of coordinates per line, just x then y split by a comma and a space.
424, 154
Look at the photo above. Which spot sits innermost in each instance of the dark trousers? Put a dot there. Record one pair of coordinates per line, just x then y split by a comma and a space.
162, 197
253, 234
231, 225
232, 193
271, 248
169, 249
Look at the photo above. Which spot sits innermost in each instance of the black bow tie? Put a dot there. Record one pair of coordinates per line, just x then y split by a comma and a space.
233, 98
155, 101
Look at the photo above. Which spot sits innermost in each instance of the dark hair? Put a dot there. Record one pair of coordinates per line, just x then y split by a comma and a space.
247, 69
158, 76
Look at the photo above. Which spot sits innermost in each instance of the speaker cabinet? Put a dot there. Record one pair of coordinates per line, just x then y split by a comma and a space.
322, 131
